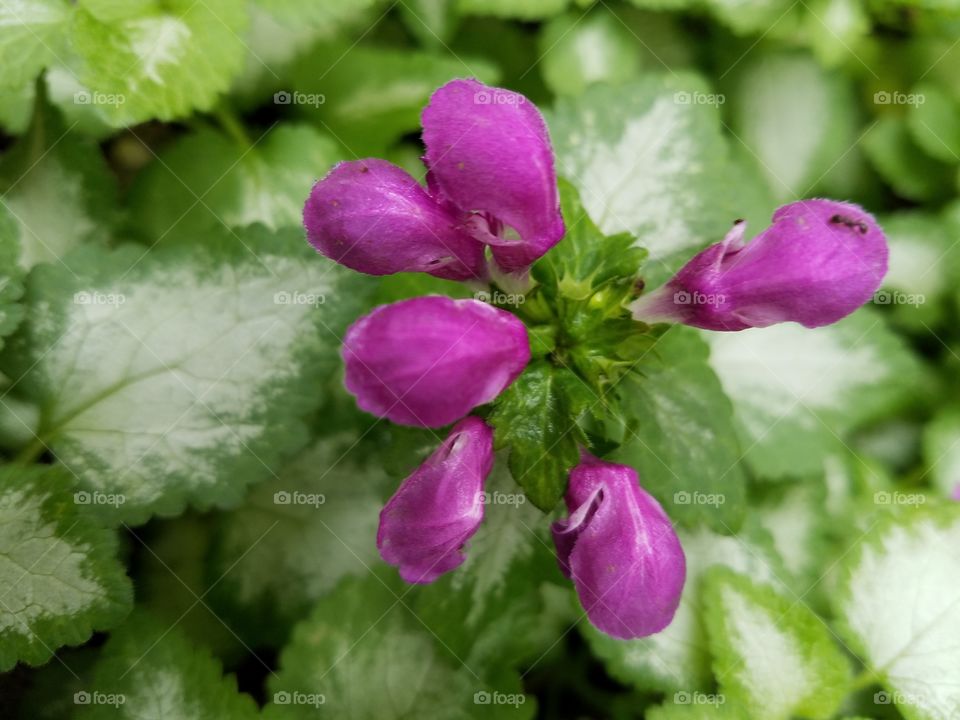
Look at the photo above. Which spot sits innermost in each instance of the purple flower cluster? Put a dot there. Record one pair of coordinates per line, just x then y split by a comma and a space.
490, 208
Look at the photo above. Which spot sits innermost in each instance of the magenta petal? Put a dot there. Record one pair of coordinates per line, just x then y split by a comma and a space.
430, 360
489, 152
439, 507
619, 548
374, 217
818, 262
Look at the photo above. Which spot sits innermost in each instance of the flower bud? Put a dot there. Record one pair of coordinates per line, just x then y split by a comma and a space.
375, 218
818, 262
619, 548
428, 361
439, 507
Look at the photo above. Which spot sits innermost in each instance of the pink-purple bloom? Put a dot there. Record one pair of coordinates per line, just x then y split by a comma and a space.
818, 262
619, 548
425, 525
430, 360
490, 182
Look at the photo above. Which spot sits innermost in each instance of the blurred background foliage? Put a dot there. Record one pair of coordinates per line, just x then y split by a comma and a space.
178, 123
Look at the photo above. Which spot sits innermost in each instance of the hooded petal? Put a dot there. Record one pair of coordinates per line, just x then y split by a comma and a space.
430, 360
489, 152
620, 550
818, 262
375, 218
439, 507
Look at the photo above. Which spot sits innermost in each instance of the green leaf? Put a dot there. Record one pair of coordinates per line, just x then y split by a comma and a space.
704, 706
60, 576
266, 182
934, 122
900, 608
323, 15
771, 651
518, 9
796, 390
31, 37
533, 418
160, 60
149, 669
367, 97
923, 268
11, 275
489, 611
181, 375
794, 516
647, 158
796, 119
433, 22
681, 437
754, 16
298, 535
904, 166
580, 50
57, 188
941, 450
362, 653
677, 659
587, 259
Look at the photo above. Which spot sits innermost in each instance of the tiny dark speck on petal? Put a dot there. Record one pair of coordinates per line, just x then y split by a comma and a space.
460, 165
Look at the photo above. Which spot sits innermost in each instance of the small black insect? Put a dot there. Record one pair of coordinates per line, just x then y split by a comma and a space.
850, 223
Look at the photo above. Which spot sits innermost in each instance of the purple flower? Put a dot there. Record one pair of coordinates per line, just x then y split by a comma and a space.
817, 263
619, 548
491, 182
439, 507
428, 361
